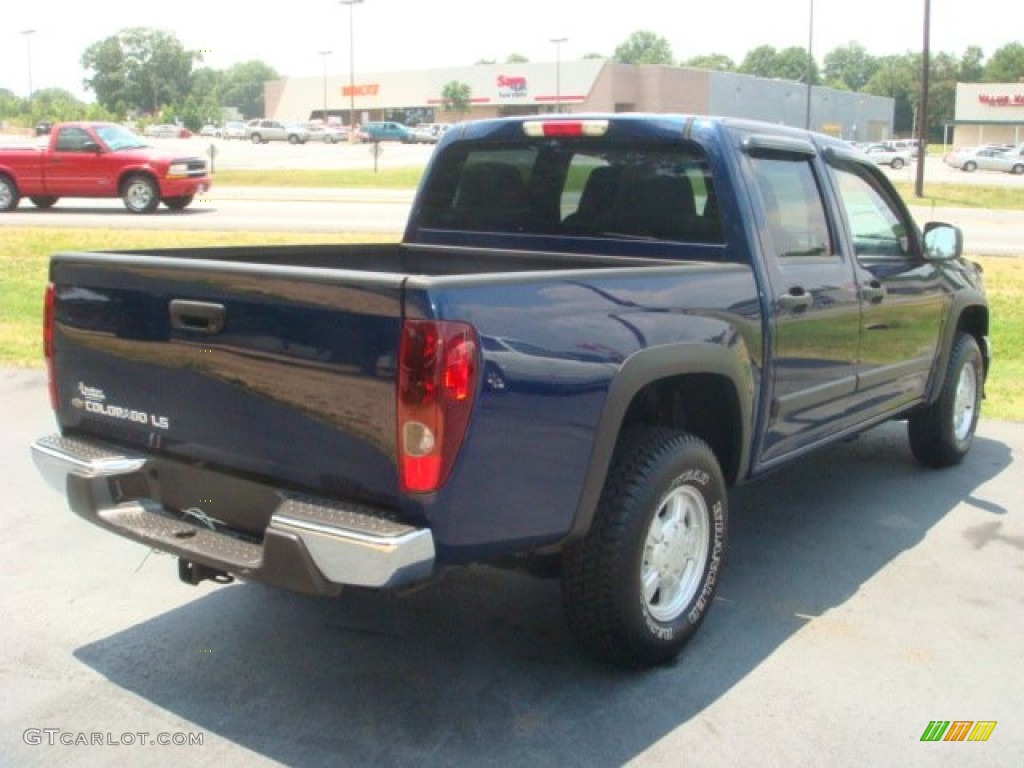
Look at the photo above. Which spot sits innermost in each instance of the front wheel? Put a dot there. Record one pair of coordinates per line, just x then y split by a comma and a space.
178, 203
139, 194
897, 163
970, 166
942, 433
639, 584
1017, 170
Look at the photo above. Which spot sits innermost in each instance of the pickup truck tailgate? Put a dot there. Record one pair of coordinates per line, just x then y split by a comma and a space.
280, 373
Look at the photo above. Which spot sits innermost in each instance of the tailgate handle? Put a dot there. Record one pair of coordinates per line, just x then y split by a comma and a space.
197, 316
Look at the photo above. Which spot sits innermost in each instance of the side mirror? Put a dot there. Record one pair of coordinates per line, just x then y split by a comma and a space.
942, 242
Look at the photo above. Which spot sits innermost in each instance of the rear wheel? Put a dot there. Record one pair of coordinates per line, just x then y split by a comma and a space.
256, 139
44, 201
942, 433
897, 163
140, 194
639, 584
1017, 170
970, 166
9, 196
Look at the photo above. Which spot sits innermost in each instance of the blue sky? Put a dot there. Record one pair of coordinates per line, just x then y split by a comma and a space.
404, 34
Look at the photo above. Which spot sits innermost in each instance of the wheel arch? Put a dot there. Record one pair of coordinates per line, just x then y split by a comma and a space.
702, 388
972, 317
128, 173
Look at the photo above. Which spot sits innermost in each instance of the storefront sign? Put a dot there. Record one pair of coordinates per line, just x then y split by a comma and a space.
1016, 100
511, 87
360, 90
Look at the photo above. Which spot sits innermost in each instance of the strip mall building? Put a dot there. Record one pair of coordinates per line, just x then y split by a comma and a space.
988, 113
590, 85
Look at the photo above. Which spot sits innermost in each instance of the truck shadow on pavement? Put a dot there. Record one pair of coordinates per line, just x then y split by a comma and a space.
479, 668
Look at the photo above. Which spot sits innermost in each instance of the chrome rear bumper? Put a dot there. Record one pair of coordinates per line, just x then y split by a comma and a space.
312, 544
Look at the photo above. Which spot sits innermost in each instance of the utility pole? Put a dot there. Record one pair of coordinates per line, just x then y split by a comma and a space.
922, 111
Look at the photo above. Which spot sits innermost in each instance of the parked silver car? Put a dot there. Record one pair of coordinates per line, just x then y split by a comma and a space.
262, 131
986, 159
882, 154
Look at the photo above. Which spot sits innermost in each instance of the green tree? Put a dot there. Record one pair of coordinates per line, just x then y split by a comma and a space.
516, 58
10, 104
1006, 65
787, 64
760, 61
972, 66
644, 47
456, 96
849, 67
898, 77
717, 62
243, 87
139, 68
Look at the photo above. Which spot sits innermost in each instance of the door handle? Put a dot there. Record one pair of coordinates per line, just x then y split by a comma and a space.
872, 292
197, 316
796, 300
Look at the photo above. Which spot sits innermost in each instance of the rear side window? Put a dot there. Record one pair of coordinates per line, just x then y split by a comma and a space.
795, 212
576, 188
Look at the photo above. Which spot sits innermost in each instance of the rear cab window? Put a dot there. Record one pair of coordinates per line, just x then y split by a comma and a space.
575, 188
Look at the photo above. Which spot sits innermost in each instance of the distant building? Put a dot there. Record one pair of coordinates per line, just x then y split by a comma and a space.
988, 113
589, 85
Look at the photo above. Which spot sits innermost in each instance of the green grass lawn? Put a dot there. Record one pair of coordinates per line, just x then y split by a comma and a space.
24, 254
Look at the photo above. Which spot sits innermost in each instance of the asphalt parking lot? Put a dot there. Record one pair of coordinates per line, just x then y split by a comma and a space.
863, 598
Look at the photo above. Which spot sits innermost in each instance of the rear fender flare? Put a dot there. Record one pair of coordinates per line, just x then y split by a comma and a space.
640, 370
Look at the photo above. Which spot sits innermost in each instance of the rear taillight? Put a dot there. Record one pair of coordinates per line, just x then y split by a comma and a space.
48, 344
437, 380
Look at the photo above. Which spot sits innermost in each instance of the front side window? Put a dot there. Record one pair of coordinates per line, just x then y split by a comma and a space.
879, 232
72, 139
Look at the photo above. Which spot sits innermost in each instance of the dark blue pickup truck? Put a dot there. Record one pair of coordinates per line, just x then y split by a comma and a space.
592, 328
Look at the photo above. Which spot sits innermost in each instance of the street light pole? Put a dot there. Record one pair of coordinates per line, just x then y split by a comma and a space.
325, 54
28, 47
558, 71
810, 67
351, 68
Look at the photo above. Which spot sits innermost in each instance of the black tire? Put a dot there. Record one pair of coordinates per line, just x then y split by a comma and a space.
637, 587
44, 202
9, 196
178, 203
897, 163
970, 166
139, 194
942, 433
1017, 170
256, 139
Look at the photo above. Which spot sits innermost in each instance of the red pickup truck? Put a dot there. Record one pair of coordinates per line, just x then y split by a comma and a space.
99, 160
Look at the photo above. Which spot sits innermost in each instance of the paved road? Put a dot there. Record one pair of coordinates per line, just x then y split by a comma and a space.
863, 598
986, 233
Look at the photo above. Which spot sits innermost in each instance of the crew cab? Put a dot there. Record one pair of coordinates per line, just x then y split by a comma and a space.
100, 160
593, 327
